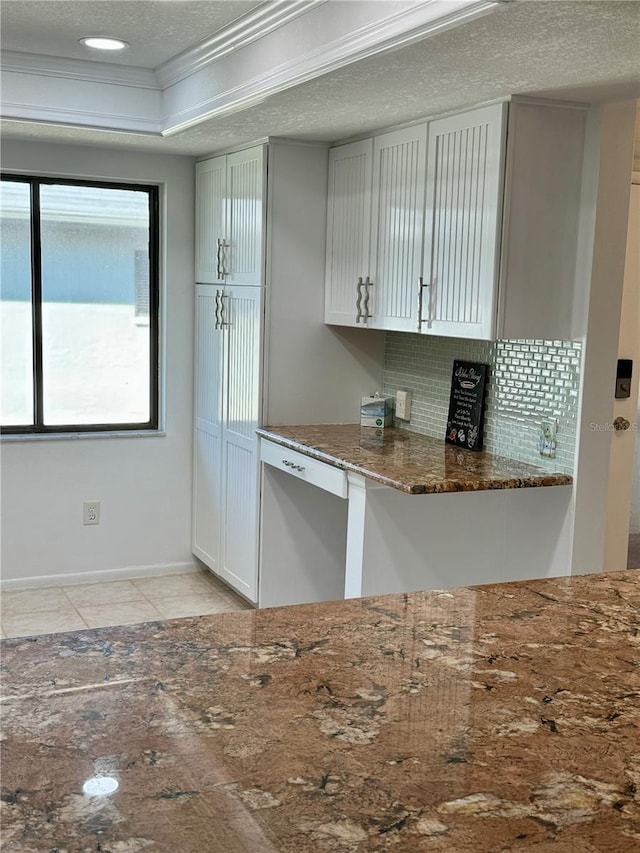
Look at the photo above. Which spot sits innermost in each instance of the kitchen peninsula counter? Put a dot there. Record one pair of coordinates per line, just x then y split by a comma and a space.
502, 717
413, 463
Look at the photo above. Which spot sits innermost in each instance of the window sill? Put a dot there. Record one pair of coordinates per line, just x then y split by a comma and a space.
61, 436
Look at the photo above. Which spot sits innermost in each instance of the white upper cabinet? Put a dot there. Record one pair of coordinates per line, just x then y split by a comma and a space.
375, 230
473, 235
462, 234
242, 253
348, 233
229, 220
211, 218
397, 227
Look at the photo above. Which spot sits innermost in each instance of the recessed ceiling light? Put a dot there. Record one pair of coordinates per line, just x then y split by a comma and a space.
101, 43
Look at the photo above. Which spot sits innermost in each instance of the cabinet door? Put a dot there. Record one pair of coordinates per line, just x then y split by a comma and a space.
348, 232
211, 226
242, 254
398, 227
242, 325
207, 421
464, 210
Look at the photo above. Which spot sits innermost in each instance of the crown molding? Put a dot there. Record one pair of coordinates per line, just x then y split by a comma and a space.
243, 31
407, 27
88, 119
218, 77
78, 69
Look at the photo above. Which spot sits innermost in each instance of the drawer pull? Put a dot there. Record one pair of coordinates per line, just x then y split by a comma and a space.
293, 465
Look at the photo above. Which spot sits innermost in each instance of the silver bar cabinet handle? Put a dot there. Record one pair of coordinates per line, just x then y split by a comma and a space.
217, 311
222, 244
219, 258
421, 288
367, 296
223, 323
359, 299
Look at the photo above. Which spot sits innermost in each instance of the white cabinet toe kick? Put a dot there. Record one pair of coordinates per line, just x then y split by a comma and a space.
327, 533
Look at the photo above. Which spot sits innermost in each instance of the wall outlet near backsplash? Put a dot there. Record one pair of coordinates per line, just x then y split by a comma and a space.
529, 382
403, 405
548, 442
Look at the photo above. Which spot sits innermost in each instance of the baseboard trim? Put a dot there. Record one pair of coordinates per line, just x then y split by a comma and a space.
100, 575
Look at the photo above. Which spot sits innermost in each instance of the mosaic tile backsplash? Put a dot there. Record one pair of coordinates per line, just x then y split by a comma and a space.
529, 381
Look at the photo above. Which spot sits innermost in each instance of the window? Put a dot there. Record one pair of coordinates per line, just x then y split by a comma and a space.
78, 306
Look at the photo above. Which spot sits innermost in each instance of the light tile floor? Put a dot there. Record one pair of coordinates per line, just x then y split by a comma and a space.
46, 610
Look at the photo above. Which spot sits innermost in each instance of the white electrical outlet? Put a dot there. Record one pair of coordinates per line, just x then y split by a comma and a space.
91, 512
403, 405
547, 441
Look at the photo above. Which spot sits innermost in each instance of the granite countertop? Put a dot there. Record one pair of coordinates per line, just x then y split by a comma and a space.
413, 463
496, 718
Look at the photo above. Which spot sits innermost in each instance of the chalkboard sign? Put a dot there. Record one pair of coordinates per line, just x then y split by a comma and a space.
466, 404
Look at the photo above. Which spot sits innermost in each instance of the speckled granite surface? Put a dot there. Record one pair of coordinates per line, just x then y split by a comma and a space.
413, 463
497, 718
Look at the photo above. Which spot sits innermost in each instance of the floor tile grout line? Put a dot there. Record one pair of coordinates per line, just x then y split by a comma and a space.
84, 621
41, 613
78, 612
116, 604
107, 583
213, 589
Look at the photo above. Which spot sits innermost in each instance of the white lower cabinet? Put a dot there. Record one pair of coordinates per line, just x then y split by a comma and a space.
304, 519
227, 383
206, 524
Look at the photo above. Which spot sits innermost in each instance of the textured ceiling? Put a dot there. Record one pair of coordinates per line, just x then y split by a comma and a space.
577, 50
155, 29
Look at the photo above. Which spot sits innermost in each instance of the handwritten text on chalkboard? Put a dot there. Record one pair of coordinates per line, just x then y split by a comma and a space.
466, 404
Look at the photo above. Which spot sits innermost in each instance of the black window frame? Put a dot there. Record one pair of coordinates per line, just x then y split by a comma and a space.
39, 427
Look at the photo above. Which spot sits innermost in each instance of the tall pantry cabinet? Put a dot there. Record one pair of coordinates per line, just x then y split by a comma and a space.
229, 194
263, 354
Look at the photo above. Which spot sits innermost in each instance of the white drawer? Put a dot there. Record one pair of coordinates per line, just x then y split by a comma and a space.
317, 473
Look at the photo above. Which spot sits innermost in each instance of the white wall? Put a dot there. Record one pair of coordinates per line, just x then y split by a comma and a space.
144, 483
623, 442
600, 274
634, 518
